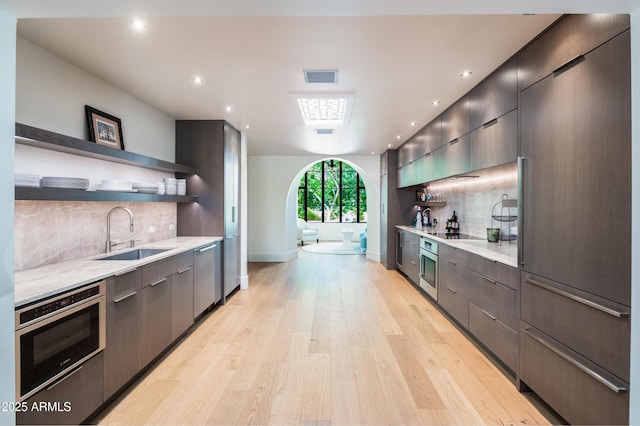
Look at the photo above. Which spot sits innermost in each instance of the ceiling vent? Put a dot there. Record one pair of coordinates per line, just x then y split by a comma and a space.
325, 131
320, 76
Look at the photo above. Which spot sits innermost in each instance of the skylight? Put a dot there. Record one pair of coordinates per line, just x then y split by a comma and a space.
324, 109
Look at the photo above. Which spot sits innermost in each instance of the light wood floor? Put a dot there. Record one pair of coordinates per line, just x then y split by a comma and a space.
325, 339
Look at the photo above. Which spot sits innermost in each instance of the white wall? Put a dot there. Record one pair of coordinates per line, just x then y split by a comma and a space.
52, 94
634, 396
272, 192
7, 132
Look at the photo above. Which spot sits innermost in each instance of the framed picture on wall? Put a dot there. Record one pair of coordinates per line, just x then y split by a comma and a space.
104, 129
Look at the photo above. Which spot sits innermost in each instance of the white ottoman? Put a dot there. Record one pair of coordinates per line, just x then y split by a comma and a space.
347, 234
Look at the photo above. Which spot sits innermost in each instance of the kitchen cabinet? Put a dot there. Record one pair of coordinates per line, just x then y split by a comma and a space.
571, 36
496, 336
212, 147
207, 277
32, 136
74, 396
576, 144
431, 137
407, 175
455, 120
494, 143
182, 299
123, 350
156, 309
453, 285
494, 96
400, 245
456, 156
411, 257
429, 166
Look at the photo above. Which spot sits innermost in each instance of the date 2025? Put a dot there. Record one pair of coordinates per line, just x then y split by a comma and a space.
42, 406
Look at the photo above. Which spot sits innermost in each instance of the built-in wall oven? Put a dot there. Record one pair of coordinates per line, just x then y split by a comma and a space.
429, 266
57, 335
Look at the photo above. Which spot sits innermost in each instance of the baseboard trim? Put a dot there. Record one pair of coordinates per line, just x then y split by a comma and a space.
272, 257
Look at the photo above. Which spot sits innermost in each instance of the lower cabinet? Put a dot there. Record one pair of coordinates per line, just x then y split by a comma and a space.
123, 350
182, 295
69, 400
156, 318
494, 335
411, 260
207, 277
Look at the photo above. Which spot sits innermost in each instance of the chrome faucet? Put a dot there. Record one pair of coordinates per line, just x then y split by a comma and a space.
110, 244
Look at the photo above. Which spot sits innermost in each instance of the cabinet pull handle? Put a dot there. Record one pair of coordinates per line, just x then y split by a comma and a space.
488, 279
453, 142
428, 154
125, 297
591, 304
606, 382
490, 123
64, 378
453, 262
207, 248
570, 63
520, 210
488, 314
184, 270
126, 271
412, 262
158, 282
451, 289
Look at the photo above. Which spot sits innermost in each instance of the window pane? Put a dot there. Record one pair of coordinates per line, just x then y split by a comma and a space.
360, 182
301, 203
363, 205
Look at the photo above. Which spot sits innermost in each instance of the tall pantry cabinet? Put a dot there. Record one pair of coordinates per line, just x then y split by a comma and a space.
213, 148
575, 253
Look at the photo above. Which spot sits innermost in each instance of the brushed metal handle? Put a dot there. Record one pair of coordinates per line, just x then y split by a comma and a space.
453, 142
520, 210
451, 290
412, 262
591, 304
64, 378
585, 369
158, 282
488, 314
488, 279
202, 250
570, 63
126, 271
453, 262
490, 123
125, 297
184, 270
428, 154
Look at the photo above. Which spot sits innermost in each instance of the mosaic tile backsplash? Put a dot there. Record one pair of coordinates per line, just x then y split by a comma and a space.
54, 231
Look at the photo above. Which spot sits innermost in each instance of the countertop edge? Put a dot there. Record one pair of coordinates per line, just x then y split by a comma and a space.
49, 280
506, 256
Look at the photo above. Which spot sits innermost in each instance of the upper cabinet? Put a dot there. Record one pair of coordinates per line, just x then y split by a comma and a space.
455, 120
495, 96
431, 136
562, 44
495, 142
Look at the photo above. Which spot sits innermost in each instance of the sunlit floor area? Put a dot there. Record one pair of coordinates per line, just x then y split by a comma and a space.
325, 339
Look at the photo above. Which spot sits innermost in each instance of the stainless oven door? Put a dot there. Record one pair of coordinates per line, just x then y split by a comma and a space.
47, 349
429, 273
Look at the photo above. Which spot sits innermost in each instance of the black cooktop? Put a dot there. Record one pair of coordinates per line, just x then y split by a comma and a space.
454, 236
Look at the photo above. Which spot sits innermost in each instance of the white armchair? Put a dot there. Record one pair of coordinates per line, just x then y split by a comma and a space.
306, 232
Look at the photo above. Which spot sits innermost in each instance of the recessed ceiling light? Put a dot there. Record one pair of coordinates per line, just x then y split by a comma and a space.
228, 108
436, 102
324, 109
198, 80
246, 126
138, 24
465, 74
413, 123
398, 137
372, 152
389, 146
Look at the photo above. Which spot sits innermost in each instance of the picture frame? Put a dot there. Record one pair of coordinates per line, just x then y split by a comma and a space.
104, 129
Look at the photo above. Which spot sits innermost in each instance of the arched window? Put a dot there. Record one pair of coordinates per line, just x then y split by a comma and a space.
332, 191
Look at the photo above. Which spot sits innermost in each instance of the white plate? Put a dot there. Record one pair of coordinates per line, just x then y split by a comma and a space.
116, 190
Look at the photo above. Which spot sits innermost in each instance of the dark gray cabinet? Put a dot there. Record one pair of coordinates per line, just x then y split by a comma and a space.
77, 394
494, 96
576, 143
456, 156
495, 142
123, 351
455, 120
453, 285
213, 147
400, 245
156, 309
571, 36
411, 257
182, 295
207, 277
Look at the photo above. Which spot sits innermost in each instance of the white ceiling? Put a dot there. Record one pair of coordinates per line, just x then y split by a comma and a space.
397, 56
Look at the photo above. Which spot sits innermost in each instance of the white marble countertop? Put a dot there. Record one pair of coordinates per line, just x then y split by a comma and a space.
500, 252
48, 280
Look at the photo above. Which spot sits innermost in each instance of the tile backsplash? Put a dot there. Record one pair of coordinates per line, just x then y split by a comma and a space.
54, 231
474, 199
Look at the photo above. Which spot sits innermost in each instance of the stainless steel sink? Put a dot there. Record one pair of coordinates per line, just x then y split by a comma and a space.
134, 254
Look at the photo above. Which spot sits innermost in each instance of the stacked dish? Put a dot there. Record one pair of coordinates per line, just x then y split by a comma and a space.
182, 187
148, 187
116, 186
65, 183
171, 186
22, 179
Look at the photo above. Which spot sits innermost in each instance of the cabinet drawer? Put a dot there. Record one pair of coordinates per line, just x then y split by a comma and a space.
578, 390
156, 271
508, 275
496, 336
596, 328
81, 388
454, 303
572, 36
496, 299
483, 266
123, 285
181, 262
454, 275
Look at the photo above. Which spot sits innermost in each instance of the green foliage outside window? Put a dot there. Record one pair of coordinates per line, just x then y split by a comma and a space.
332, 191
